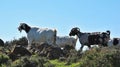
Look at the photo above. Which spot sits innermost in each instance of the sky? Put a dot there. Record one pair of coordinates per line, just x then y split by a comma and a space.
88, 15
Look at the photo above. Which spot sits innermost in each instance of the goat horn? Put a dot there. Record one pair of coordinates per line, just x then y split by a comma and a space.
78, 28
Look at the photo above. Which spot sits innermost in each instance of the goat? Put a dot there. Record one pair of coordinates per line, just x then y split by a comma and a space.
114, 42
62, 41
90, 38
38, 35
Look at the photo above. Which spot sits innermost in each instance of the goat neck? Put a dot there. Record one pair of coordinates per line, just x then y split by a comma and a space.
79, 34
27, 29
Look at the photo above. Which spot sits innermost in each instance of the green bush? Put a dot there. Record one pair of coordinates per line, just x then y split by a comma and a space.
4, 59
101, 57
21, 41
48, 64
33, 61
73, 57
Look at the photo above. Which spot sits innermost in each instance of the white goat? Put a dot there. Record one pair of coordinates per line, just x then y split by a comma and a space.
61, 41
114, 42
38, 35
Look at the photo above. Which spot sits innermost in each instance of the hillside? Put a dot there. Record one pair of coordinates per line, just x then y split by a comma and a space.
95, 57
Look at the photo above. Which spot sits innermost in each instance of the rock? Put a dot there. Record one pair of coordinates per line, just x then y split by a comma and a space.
54, 52
42, 46
19, 51
49, 51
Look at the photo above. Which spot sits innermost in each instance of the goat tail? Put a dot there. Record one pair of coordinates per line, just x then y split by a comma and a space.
108, 31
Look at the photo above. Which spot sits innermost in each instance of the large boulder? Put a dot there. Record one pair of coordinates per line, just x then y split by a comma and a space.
19, 51
49, 51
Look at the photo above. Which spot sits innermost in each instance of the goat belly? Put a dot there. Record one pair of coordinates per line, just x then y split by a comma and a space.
41, 35
93, 39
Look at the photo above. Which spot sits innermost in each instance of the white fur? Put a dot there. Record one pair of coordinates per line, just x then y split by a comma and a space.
61, 41
110, 42
39, 35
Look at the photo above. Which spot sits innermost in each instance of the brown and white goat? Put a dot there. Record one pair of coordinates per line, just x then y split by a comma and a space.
38, 35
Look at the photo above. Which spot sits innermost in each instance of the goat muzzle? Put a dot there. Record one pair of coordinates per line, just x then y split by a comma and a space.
19, 29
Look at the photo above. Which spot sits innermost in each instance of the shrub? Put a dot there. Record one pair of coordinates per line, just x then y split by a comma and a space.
21, 41
4, 59
33, 61
48, 64
101, 57
73, 57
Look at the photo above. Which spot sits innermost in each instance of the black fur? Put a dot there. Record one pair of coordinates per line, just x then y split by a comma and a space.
115, 41
74, 31
24, 26
94, 39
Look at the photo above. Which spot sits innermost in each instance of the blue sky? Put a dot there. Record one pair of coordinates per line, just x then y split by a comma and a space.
88, 15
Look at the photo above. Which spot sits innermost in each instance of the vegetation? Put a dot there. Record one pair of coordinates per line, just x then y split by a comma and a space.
95, 57
101, 57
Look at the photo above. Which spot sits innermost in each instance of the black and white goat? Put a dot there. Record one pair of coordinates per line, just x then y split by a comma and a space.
95, 38
38, 35
62, 41
114, 42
